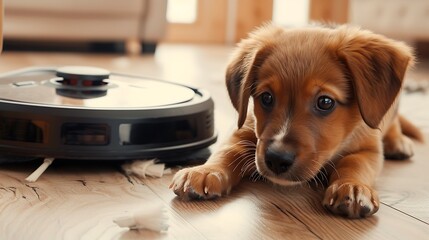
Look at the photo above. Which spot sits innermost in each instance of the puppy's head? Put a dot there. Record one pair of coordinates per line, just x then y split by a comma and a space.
311, 88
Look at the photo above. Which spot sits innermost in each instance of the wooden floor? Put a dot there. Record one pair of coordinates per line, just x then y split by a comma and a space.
79, 200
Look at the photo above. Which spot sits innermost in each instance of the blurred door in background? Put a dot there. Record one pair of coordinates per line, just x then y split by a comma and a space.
331, 11
228, 21
220, 21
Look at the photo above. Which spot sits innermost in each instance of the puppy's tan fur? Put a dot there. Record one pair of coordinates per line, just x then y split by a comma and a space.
360, 71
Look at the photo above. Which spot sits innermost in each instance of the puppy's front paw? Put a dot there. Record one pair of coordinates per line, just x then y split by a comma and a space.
351, 200
201, 182
398, 148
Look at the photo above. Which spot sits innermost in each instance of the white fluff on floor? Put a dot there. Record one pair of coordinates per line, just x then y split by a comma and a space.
153, 217
144, 168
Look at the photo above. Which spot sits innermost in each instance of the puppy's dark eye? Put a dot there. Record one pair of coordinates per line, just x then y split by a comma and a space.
267, 100
325, 104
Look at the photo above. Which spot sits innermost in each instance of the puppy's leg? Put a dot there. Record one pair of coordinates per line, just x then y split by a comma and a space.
410, 130
223, 170
397, 145
350, 193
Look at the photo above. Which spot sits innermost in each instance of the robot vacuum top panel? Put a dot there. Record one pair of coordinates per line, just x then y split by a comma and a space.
88, 87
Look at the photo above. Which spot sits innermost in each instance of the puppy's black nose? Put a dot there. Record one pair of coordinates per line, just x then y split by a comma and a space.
279, 161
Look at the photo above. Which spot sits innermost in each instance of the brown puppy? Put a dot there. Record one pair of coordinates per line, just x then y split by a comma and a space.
324, 100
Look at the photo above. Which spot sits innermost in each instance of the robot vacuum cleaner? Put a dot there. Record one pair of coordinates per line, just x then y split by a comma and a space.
77, 112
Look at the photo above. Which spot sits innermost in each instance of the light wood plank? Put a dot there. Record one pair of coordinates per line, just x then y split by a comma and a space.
76, 200
242, 215
289, 212
404, 185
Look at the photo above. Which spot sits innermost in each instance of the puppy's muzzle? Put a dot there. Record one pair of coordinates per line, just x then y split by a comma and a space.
279, 161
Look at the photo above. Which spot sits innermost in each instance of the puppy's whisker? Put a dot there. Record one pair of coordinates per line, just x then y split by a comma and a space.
246, 167
245, 143
320, 180
257, 177
323, 174
253, 171
244, 152
243, 161
249, 149
254, 176
244, 156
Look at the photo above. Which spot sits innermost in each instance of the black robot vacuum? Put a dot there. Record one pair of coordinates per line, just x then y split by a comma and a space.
77, 112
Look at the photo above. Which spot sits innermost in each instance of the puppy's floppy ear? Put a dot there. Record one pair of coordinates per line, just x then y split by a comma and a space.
377, 66
242, 74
